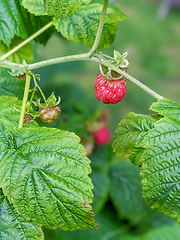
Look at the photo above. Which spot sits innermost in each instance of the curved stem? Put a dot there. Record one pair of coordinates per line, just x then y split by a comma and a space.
36, 85
129, 77
26, 41
32, 97
79, 57
100, 28
25, 97
27, 67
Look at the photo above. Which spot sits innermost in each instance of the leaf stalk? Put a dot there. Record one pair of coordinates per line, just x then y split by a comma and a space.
26, 41
100, 29
25, 97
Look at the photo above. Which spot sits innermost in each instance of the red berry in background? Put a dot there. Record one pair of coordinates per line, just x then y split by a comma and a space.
102, 136
49, 114
109, 91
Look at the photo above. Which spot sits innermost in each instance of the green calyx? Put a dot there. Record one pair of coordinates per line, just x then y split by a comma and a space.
119, 61
50, 102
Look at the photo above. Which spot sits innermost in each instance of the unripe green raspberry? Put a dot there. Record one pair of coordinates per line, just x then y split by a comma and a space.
49, 114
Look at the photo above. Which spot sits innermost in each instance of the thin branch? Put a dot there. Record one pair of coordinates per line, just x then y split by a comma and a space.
26, 41
79, 57
100, 28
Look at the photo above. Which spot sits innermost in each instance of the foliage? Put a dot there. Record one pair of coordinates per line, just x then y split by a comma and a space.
48, 185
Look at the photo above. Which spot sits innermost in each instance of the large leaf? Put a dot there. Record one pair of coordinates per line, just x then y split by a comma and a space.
126, 191
9, 85
44, 173
16, 21
129, 135
167, 107
161, 161
83, 25
58, 8
34, 6
24, 53
13, 226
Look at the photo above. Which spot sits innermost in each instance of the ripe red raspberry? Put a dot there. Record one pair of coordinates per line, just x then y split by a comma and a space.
102, 136
109, 91
49, 114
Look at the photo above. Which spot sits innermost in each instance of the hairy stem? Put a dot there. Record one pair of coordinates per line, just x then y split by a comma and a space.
25, 97
79, 57
100, 28
26, 41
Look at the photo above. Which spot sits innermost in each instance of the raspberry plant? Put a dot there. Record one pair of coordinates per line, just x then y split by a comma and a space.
44, 171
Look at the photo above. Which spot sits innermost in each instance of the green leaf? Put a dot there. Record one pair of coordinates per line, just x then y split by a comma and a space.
9, 85
83, 25
160, 169
163, 233
9, 116
126, 191
11, 22
167, 107
44, 173
13, 226
129, 135
58, 8
34, 6
17, 57
16, 21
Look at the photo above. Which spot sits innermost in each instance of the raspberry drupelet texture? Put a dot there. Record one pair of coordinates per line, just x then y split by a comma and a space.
109, 91
49, 114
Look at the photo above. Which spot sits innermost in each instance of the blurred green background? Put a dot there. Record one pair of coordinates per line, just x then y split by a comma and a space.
153, 48
153, 52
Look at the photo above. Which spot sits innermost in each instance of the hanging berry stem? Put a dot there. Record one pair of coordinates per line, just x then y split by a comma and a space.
32, 97
130, 78
36, 85
25, 97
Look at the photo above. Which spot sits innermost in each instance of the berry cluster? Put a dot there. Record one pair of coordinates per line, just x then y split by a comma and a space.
109, 91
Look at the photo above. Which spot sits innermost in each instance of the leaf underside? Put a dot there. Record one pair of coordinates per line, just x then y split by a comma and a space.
35, 7
83, 25
58, 8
